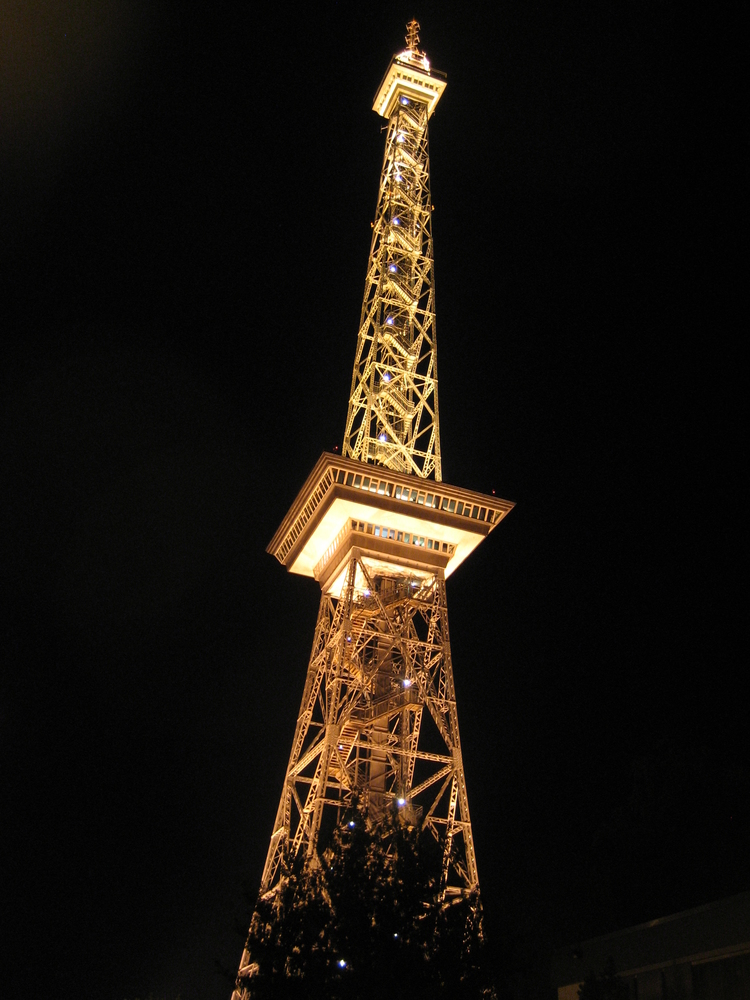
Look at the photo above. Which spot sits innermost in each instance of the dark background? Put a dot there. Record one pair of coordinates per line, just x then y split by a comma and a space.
185, 214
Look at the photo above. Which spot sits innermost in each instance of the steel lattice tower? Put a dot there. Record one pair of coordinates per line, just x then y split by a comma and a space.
380, 532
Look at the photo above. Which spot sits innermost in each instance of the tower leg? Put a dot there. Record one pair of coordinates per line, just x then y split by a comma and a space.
377, 725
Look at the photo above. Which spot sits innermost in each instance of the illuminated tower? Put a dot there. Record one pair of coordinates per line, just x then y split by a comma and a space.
380, 532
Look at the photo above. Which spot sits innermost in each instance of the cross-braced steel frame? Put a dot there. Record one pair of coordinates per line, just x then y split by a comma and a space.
377, 727
393, 405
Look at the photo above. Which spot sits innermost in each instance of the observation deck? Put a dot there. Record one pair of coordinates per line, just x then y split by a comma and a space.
409, 77
399, 522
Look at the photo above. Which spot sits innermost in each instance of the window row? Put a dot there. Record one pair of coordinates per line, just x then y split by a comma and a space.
435, 500
408, 538
306, 513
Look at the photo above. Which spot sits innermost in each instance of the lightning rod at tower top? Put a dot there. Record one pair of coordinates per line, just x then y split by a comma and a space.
379, 530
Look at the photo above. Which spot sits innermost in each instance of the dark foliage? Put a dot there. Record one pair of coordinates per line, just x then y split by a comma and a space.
367, 921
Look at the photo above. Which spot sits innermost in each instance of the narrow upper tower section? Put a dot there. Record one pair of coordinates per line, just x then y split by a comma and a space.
393, 406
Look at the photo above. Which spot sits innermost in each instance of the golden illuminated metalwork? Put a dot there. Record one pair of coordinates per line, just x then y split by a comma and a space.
378, 529
393, 406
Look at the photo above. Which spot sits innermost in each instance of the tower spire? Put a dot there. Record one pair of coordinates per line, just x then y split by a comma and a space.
393, 405
412, 37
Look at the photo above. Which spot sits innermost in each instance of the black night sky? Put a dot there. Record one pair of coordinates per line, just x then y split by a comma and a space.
186, 205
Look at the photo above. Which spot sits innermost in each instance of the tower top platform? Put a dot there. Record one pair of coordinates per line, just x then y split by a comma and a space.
409, 77
395, 519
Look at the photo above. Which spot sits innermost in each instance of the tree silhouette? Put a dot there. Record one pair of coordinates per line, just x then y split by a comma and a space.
368, 919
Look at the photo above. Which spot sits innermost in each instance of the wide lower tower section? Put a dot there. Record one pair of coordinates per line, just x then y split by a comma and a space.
377, 729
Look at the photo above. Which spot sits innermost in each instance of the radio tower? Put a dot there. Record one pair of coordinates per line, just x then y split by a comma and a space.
380, 532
